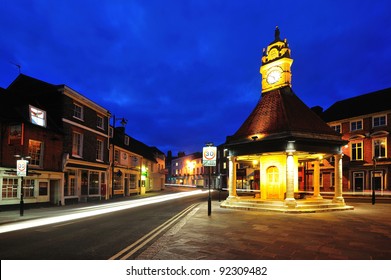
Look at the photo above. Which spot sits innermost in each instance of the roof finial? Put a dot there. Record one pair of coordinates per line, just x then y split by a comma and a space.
277, 34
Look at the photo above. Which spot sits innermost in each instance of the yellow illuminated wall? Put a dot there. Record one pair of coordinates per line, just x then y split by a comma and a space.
273, 176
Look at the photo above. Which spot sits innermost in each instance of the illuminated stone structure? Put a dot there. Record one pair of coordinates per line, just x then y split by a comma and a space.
281, 134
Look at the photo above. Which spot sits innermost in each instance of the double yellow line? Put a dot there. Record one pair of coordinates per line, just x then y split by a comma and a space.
133, 248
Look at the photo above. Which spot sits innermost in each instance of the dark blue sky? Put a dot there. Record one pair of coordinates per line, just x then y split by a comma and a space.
187, 72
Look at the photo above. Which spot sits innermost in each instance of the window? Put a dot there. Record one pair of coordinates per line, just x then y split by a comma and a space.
379, 121
99, 122
356, 125
28, 188
336, 127
78, 111
9, 188
43, 188
77, 144
37, 116
99, 150
70, 183
357, 151
111, 132
379, 147
36, 153
94, 183
116, 156
126, 140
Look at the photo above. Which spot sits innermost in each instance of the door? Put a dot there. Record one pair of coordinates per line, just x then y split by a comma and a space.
273, 182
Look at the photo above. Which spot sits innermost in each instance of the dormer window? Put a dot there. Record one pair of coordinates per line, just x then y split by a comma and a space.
37, 116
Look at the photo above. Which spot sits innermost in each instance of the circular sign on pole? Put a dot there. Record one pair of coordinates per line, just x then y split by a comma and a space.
21, 167
209, 156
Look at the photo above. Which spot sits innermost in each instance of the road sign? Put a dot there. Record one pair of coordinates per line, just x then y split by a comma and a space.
21, 167
209, 155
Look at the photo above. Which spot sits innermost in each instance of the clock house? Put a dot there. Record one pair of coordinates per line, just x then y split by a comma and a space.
279, 136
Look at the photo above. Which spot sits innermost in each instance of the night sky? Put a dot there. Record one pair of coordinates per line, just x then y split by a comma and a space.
184, 73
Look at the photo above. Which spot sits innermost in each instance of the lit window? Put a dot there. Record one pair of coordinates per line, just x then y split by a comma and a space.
379, 147
77, 144
37, 116
9, 188
78, 111
356, 125
379, 121
357, 151
35, 153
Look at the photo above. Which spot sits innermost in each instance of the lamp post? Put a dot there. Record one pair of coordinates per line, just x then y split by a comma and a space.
21, 170
209, 159
373, 181
123, 123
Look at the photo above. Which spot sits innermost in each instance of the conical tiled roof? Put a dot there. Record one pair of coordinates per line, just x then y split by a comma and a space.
280, 114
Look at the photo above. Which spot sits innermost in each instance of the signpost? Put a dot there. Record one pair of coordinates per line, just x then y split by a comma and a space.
209, 154
21, 170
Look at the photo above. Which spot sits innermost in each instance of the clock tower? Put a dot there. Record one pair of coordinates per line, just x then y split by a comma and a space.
276, 64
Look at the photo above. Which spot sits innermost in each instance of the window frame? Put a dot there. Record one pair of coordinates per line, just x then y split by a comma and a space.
358, 149
33, 156
76, 112
77, 151
382, 140
355, 122
378, 117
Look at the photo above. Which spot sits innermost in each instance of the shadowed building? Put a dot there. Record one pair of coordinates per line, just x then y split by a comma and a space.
281, 134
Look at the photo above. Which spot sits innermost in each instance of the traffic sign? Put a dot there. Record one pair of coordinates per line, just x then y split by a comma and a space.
21, 167
209, 155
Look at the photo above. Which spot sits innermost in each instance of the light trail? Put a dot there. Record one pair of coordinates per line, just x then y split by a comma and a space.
90, 211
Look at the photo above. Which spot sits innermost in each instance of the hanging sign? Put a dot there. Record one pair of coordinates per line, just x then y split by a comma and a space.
209, 155
21, 167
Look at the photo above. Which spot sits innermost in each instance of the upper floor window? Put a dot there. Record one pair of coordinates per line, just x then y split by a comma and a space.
100, 122
78, 111
379, 147
116, 156
35, 153
379, 121
357, 151
356, 125
77, 144
99, 150
337, 128
37, 116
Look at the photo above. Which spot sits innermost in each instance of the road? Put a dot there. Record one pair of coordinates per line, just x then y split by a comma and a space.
99, 237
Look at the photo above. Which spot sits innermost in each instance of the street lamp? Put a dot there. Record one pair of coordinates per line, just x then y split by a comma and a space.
21, 170
373, 181
123, 123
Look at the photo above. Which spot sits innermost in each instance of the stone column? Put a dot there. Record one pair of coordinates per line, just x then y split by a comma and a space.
316, 181
290, 200
338, 179
232, 177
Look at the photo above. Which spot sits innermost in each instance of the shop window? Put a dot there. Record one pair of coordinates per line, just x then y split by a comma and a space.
43, 188
9, 188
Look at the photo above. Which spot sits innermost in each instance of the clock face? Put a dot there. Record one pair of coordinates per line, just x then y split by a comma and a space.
273, 76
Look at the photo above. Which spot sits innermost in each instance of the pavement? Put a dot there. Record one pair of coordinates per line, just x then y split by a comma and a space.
360, 234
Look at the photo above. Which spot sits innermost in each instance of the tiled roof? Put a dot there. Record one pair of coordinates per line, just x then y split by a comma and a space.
369, 103
281, 114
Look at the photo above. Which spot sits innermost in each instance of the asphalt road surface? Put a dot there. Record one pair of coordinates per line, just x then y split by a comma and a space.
121, 234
